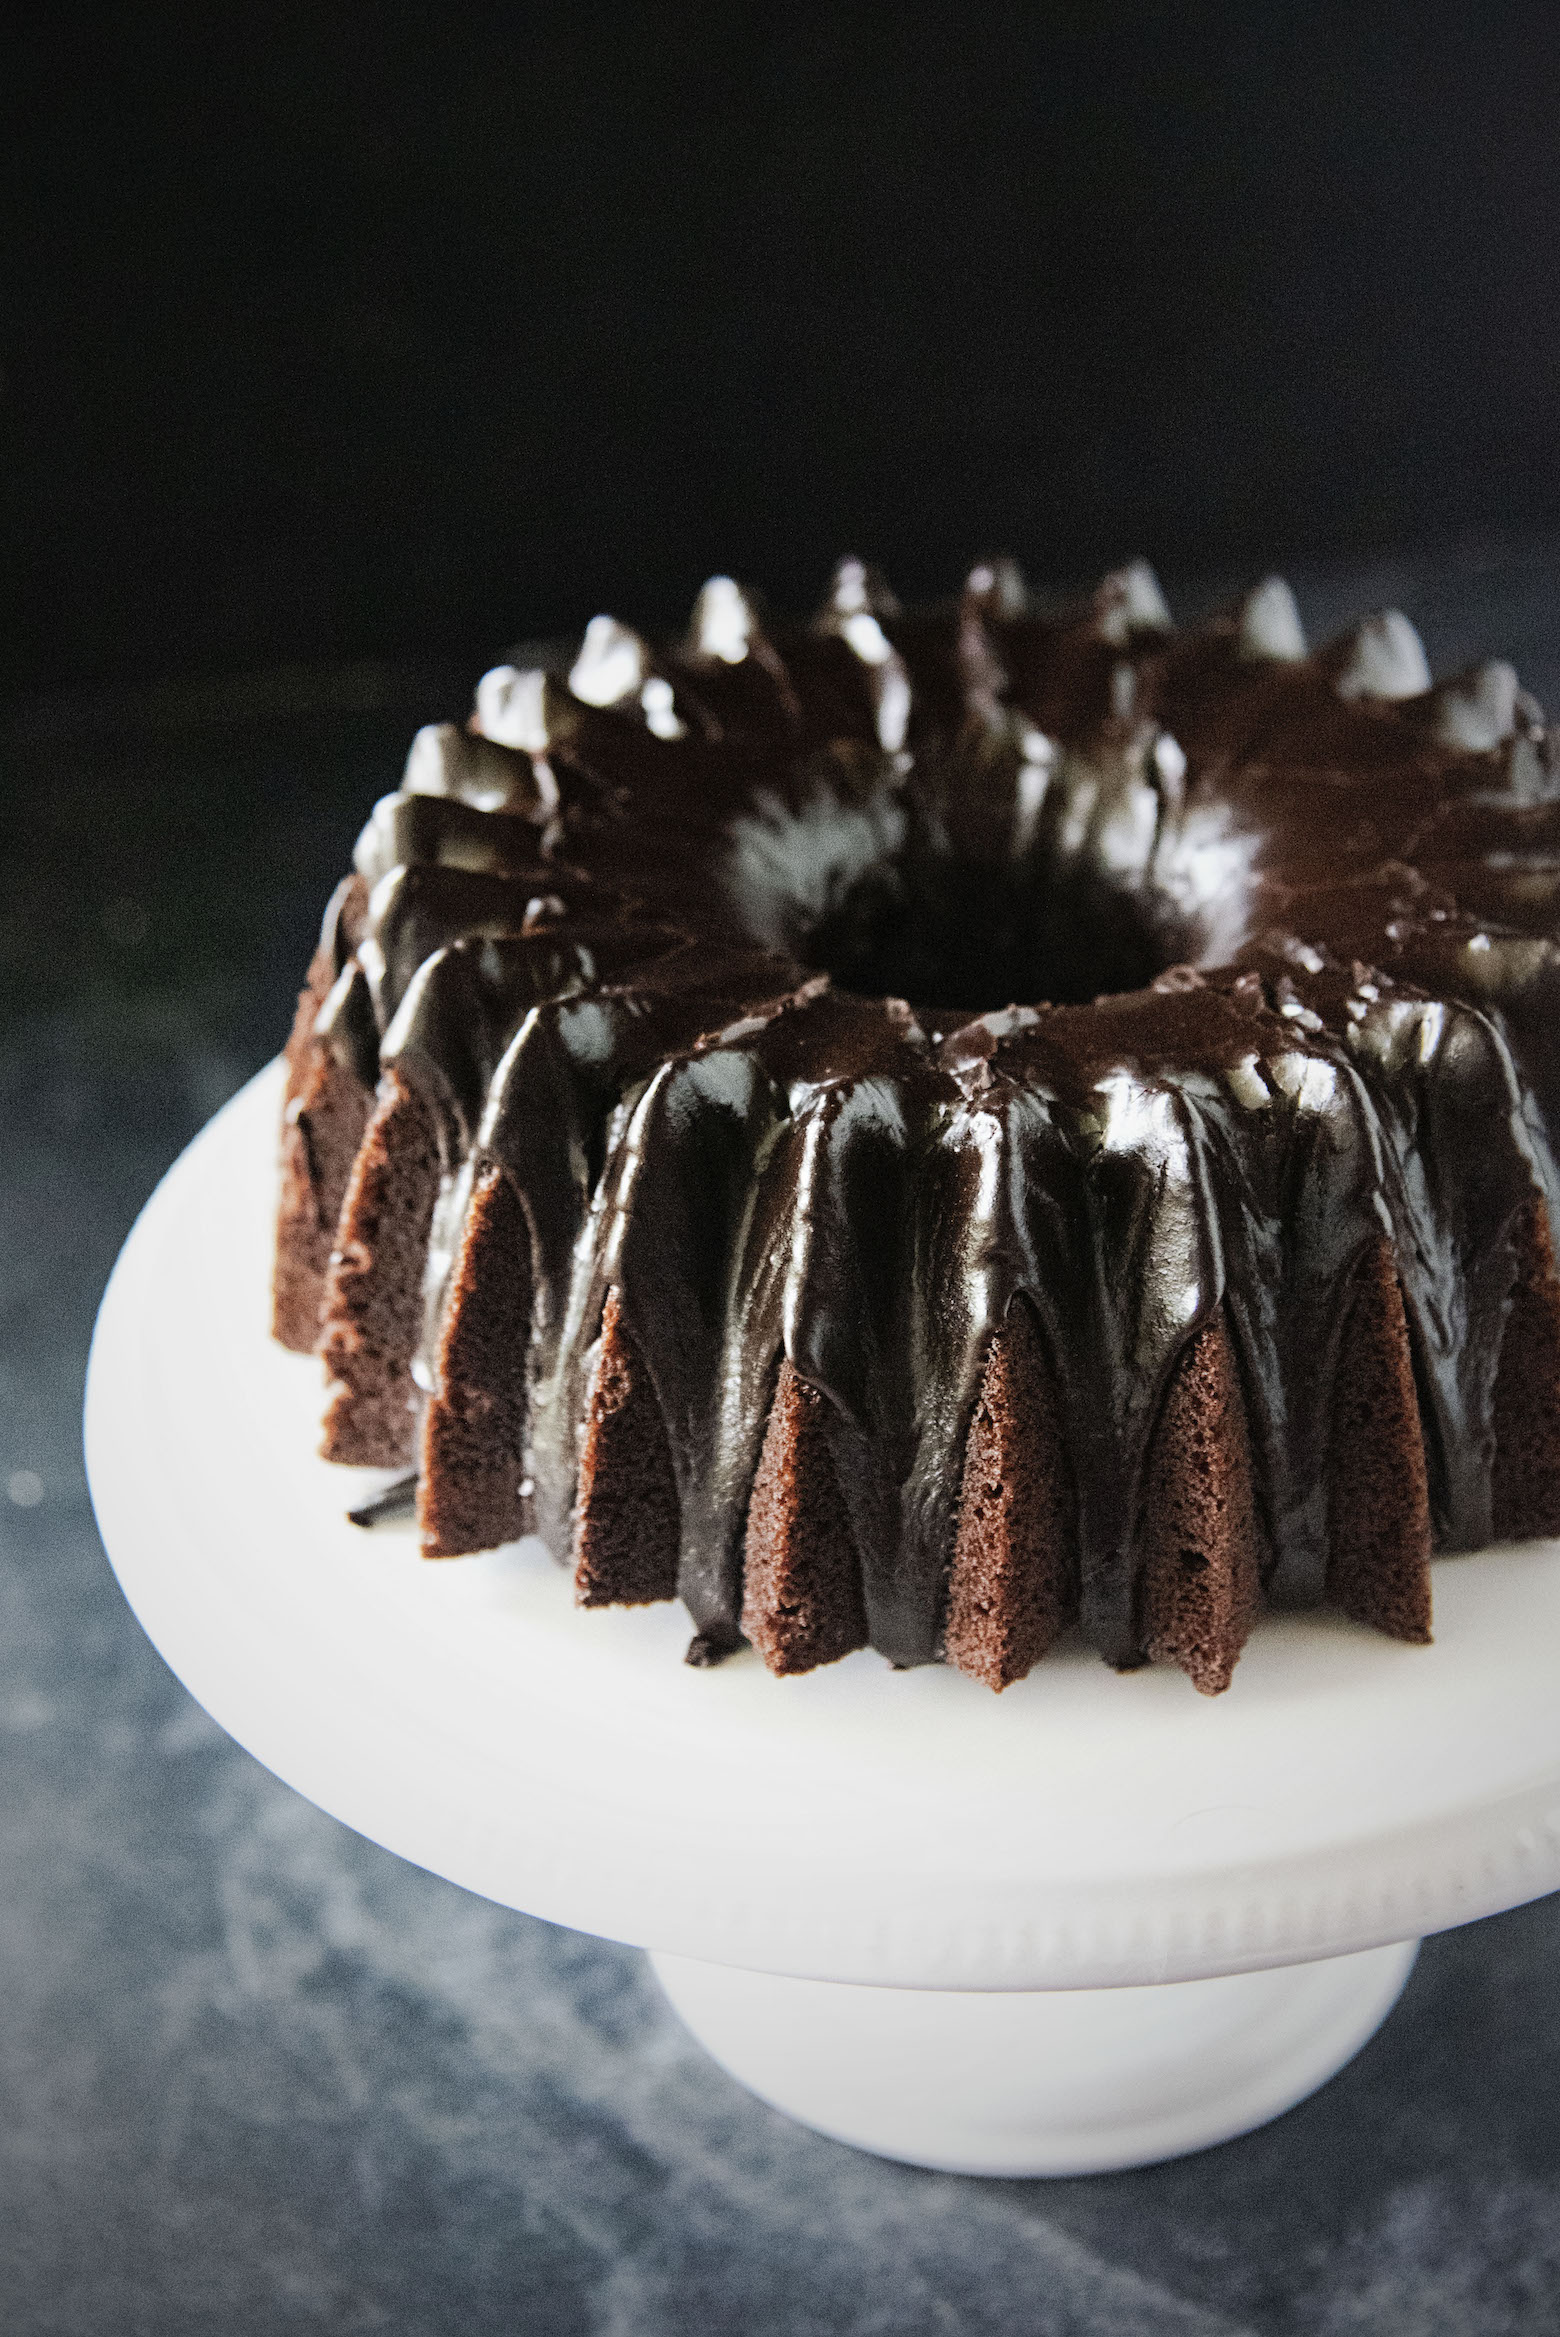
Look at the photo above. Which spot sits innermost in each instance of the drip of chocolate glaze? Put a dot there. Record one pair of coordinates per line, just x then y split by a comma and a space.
397, 1500
617, 987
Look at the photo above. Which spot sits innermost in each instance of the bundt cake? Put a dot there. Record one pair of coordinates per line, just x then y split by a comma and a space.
921, 1130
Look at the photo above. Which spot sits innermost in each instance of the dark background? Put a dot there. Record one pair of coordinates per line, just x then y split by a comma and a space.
335, 333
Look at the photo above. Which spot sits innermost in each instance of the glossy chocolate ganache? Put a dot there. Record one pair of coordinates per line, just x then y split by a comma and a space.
921, 1130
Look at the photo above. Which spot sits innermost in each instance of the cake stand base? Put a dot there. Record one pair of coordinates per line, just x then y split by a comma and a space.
1074, 1927
1044, 2082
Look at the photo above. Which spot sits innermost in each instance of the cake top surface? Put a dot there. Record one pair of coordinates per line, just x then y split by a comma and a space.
976, 807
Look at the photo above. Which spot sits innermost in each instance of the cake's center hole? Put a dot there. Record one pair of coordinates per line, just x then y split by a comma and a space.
878, 894
976, 941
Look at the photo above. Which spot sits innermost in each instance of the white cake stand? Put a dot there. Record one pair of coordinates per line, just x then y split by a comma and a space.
1094, 1922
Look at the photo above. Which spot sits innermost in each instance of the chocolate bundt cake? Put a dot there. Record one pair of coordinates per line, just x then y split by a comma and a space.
919, 1130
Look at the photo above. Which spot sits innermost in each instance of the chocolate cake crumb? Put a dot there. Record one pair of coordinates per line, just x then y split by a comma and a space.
1199, 1539
373, 1291
1525, 1488
473, 1435
627, 1530
397, 1500
327, 1111
801, 1601
1013, 1585
1378, 1564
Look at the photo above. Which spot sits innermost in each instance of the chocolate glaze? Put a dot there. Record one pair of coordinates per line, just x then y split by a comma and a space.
648, 948
396, 1501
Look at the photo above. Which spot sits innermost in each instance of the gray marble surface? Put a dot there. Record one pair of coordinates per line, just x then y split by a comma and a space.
258, 2075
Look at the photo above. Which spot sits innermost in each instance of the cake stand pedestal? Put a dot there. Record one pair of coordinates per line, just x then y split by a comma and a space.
1094, 1922
1053, 2081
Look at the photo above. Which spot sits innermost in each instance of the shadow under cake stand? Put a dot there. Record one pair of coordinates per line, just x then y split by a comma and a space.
1091, 1923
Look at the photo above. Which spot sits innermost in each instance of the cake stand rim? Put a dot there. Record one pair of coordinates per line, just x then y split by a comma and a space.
658, 1856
